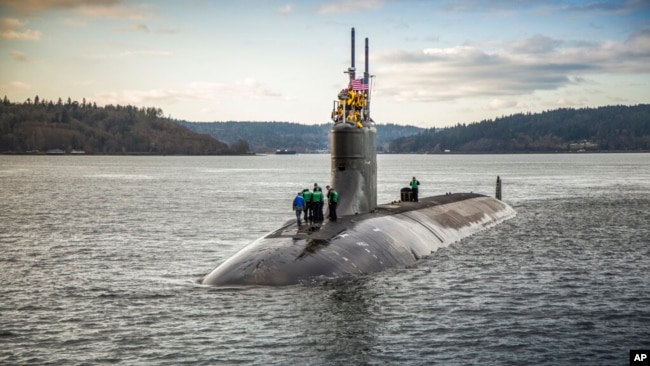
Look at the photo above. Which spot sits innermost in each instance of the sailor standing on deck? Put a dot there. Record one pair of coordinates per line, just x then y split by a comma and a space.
332, 201
328, 195
309, 211
298, 206
414, 188
317, 203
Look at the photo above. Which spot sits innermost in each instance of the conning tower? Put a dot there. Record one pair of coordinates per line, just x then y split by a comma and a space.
353, 143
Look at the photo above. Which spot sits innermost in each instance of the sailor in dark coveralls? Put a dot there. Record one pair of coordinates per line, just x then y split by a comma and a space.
317, 203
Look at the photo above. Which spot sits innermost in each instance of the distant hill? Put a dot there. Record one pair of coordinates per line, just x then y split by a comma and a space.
38, 126
612, 128
270, 136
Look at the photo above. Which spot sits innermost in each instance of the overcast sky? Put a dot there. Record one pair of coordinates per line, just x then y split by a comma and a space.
436, 63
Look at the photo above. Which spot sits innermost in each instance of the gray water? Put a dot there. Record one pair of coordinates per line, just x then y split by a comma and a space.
100, 260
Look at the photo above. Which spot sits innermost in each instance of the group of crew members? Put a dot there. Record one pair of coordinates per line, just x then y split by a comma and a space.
308, 205
355, 107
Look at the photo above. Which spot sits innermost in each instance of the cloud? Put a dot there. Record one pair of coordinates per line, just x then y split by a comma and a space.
139, 27
285, 9
18, 56
518, 68
621, 7
639, 42
535, 45
33, 6
70, 22
213, 92
129, 53
491, 5
498, 103
83, 82
511, 6
563, 102
11, 28
112, 9
111, 12
350, 6
20, 85
167, 31
146, 53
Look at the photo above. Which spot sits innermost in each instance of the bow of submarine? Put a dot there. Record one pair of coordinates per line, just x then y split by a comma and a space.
393, 235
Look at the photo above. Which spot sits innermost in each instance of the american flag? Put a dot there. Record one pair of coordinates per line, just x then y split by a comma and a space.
360, 84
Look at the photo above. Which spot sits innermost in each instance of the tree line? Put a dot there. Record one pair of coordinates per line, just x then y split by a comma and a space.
610, 128
38, 125
269, 136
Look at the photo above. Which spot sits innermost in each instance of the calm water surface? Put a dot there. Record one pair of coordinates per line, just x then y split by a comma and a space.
100, 258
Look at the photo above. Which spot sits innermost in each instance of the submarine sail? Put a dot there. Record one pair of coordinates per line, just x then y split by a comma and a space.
367, 237
353, 144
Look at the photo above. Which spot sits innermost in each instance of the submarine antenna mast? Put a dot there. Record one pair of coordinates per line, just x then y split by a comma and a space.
352, 70
366, 83
353, 147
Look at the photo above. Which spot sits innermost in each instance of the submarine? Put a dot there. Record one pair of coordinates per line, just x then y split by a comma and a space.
367, 237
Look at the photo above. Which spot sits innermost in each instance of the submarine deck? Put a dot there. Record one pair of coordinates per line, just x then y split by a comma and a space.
328, 229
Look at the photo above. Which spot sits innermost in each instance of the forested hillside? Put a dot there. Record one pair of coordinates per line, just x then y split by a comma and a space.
36, 126
39, 125
612, 128
269, 136
265, 137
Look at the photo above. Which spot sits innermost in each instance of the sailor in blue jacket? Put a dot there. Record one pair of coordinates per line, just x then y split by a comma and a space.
298, 206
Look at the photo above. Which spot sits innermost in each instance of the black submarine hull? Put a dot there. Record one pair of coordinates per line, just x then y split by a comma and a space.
392, 235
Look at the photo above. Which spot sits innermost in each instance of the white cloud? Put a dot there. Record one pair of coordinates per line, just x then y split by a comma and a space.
167, 31
139, 27
214, 92
129, 53
83, 82
18, 56
518, 68
565, 103
346, 6
497, 104
11, 28
31, 6
146, 53
111, 9
537, 44
72, 22
285, 9
20, 85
